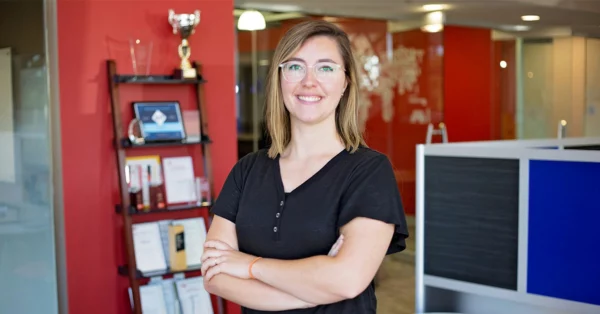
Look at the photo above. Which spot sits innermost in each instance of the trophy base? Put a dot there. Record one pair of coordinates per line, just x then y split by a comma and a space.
183, 74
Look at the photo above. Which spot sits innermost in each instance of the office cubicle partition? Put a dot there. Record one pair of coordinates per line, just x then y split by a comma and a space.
508, 227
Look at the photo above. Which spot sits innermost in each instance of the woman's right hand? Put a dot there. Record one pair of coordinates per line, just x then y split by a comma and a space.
336, 246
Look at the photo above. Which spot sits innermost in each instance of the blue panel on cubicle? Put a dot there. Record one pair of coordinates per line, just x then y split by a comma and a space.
564, 230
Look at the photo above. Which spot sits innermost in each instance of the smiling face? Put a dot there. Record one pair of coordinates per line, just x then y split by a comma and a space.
313, 81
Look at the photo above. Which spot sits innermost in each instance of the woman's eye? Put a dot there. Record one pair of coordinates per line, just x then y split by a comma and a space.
326, 68
294, 67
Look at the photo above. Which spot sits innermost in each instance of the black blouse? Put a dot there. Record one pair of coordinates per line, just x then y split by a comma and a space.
307, 221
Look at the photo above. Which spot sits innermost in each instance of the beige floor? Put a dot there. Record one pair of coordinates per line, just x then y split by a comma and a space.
396, 281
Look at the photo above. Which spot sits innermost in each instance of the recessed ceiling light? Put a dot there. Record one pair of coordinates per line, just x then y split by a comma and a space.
269, 7
515, 28
521, 28
530, 18
434, 7
432, 28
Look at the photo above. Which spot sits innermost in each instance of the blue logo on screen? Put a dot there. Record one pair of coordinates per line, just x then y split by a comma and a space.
160, 122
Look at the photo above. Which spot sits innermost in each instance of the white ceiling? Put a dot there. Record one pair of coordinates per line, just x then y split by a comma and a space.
579, 17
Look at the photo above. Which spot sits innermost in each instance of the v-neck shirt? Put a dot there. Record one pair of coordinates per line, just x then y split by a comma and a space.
306, 221
321, 171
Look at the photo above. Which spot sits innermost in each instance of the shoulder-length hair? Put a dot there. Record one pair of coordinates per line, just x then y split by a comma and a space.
277, 117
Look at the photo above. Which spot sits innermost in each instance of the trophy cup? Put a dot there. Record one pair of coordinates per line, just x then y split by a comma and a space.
184, 24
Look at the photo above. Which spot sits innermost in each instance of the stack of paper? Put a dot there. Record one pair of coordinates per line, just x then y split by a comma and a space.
192, 296
149, 253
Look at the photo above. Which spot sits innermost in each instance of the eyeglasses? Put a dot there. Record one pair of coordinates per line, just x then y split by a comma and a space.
294, 71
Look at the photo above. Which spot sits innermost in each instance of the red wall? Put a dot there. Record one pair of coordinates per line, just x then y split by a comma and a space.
89, 32
468, 83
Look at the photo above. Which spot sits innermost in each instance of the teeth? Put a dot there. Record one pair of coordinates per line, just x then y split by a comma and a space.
309, 98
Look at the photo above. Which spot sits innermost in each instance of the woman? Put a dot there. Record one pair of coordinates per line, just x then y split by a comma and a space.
303, 226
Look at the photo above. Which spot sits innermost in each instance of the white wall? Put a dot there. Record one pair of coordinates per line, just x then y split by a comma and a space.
592, 101
538, 95
569, 84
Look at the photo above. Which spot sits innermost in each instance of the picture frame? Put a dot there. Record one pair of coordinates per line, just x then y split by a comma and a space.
160, 121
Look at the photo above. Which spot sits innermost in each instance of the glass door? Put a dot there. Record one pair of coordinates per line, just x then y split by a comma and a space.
28, 271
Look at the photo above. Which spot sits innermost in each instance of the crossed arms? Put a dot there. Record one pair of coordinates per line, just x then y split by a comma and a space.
292, 284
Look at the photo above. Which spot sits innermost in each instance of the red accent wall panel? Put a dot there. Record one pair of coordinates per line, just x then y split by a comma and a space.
89, 32
468, 83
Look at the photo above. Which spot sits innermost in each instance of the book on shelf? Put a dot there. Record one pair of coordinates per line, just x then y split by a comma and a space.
176, 246
148, 247
170, 295
193, 298
168, 246
152, 298
175, 296
194, 238
180, 183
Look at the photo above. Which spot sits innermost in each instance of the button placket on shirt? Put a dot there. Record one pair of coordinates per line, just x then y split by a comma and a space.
278, 220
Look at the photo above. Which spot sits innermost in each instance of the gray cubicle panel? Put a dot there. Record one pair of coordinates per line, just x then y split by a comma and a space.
508, 228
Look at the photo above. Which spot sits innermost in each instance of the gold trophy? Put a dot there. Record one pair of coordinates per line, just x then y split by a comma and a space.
184, 24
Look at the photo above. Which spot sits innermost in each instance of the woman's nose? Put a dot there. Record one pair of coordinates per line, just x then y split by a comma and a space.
310, 78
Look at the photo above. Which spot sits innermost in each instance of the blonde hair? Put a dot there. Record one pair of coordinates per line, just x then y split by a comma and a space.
277, 117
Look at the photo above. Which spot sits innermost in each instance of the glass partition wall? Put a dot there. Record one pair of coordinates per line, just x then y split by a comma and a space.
28, 264
549, 86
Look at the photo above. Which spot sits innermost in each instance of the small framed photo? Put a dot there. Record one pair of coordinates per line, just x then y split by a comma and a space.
160, 121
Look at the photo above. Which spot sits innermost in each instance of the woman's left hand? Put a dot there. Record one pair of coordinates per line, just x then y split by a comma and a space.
220, 258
